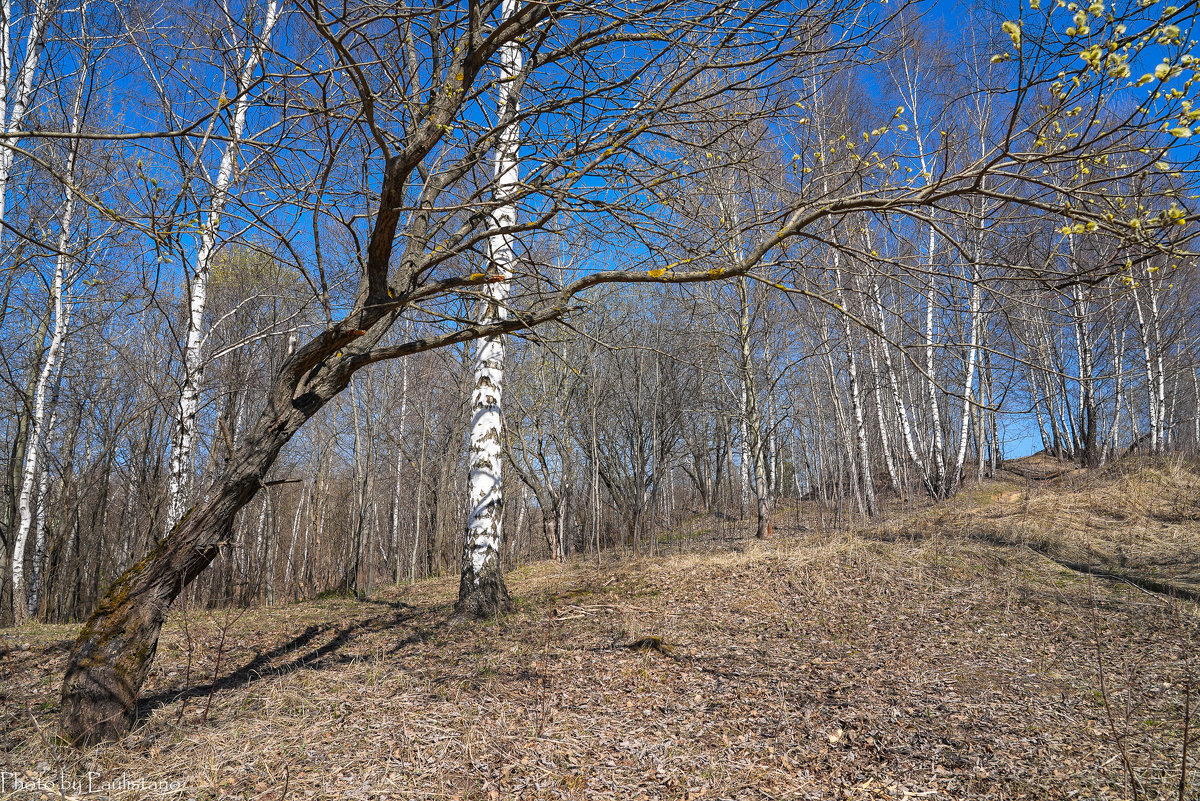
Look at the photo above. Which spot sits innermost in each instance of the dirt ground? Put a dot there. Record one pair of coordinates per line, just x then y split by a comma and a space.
927, 659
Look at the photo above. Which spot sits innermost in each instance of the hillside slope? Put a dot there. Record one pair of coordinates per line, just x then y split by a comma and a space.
916, 664
1136, 520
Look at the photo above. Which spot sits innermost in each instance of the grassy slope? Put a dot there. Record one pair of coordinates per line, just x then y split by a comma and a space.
920, 664
1138, 518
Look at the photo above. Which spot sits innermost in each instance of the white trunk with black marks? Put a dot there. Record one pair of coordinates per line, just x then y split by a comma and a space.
1195, 410
397, 563
184, 439
1089, 412
770, 444
906, 429
37, 433
1118, 362
417, 514
843, 424
890, 459
520, 526
860, 428
39, 539
1036, 402
1148, 360
1160, 388
885, 438
485, 488
773, 459
13, 117
968, 384
935, 416
856, 406
289, 564
481, 590
744, 462
937, 482
59, 288
750, 417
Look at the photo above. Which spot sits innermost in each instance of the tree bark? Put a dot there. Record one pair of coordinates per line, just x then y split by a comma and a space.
481, 591
14, 119
752, 424
112, 655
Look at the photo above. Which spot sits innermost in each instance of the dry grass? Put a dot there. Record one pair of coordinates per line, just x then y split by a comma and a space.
816, 666
1138, 518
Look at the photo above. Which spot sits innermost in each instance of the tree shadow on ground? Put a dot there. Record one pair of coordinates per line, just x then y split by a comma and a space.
321, 657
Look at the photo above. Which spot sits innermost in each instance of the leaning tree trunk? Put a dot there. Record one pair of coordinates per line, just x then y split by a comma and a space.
481, 591
112, 655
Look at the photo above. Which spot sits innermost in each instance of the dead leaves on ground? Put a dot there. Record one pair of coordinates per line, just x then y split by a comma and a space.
826, 668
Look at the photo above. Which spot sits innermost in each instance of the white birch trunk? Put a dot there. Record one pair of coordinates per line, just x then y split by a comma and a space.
897, 396
197, 285
968, 385
1195, 410
1118, 390
288, 566
935, 415
481, 590
397, 562
771, 444
417, 517
843, 424
520, 525
1089, 423
889, 459
1160, 388
936, 484
1148, 362
62, 314
37, 432
14, 117
860, 427
39, 538
744, 461
750, 417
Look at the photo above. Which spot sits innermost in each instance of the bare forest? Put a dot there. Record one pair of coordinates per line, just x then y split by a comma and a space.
499, 312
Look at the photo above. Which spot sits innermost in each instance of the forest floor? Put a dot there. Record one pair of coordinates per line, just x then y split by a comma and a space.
946, 653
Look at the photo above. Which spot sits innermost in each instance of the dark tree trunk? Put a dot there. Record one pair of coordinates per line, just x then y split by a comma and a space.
486, 596
763, 531
111, 657
1091, 436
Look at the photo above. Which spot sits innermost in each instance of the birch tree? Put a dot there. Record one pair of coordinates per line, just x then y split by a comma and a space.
17, 82
64, 275
481, 591
196, 286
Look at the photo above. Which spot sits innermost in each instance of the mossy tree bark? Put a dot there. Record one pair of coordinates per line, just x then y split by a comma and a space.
114, 650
